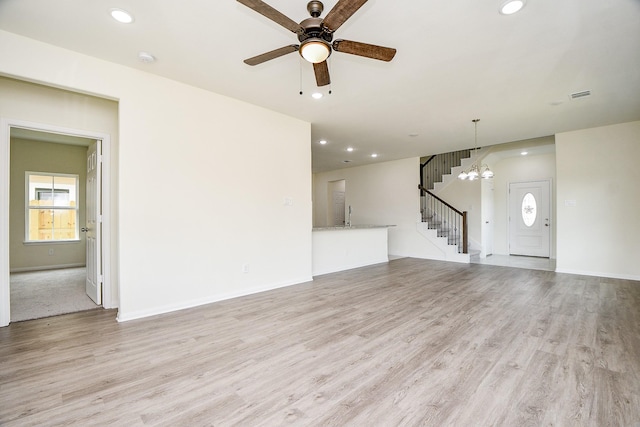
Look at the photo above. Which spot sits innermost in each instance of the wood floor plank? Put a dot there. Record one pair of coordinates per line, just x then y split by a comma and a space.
411, 342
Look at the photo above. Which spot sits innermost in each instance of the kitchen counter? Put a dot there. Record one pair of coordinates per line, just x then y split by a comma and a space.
338, 248
350, 227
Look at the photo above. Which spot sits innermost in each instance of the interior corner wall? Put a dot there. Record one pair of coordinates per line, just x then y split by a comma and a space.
36, 156
381, 193
598, 203
190, 220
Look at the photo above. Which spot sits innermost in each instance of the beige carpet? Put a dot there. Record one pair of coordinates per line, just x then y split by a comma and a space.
47, 293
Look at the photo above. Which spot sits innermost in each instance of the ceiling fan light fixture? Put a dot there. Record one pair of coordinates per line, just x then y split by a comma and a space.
315, 50
509, 7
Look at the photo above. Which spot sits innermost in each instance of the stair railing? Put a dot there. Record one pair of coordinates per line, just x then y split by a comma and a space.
449, 221
432, 170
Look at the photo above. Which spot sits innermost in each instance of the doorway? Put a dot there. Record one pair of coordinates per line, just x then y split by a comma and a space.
336, 192
102, 261
529, 218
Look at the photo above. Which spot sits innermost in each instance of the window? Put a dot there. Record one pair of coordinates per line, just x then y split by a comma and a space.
529, 209
51, 207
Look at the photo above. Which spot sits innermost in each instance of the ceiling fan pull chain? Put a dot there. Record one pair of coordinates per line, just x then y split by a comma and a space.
300, 63
329, 63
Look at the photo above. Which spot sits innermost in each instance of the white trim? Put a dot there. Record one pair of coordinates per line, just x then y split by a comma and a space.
598, 274
46, 267
5, 128
5, 306
208, 300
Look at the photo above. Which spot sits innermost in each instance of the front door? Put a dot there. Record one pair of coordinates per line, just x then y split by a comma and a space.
529, 218
93, 228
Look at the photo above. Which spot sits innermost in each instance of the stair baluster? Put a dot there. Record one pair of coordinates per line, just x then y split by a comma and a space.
447, 220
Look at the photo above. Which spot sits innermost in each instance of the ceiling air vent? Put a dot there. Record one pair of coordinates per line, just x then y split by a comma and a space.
581, 94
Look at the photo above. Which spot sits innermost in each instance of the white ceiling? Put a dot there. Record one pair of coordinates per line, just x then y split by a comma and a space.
456, 61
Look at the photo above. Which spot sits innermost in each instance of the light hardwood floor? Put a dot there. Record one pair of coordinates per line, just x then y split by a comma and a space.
412, 342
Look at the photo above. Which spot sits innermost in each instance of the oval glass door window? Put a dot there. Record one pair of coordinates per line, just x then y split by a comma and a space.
529, 209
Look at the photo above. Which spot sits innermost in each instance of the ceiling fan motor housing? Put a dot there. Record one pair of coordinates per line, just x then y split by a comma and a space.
312, 28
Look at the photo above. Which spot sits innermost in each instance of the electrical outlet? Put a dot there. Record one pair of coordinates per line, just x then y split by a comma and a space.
245, 267
51, 252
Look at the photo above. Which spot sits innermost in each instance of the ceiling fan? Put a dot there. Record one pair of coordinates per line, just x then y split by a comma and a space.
316, 36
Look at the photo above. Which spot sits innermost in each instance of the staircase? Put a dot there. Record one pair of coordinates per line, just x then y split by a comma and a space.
435, 167
440, 223
444, 226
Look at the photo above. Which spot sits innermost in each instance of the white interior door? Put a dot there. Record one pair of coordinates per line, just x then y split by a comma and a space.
487, 217
93, 228
338, 208
529, 218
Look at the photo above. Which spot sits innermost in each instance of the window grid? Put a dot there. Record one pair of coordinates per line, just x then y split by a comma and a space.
51, 207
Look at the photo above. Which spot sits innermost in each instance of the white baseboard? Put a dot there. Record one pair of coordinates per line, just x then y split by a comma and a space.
598, 274
350, 266
125, 317
45, 267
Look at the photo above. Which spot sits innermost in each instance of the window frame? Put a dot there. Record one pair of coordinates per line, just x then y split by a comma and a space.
29, 208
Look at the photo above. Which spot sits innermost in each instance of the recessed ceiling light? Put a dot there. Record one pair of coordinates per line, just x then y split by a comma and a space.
524, 153
316, 95
374, 155
349, 149
322, 141
510, 7
146, 57
122, 16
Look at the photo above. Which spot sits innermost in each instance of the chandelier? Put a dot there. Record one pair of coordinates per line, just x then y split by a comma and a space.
476, 171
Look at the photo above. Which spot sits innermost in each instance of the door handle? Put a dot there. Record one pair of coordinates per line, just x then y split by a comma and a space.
84, 229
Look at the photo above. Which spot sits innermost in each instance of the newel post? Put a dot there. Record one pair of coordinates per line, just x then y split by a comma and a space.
465, 241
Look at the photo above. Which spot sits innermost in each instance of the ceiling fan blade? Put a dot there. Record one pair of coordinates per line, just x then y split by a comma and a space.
259, 59
364, 49
341, 12
271, 13
321, 71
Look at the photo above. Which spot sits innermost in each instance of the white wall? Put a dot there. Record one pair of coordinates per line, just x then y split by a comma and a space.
179, 148
381, 193
597, 171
